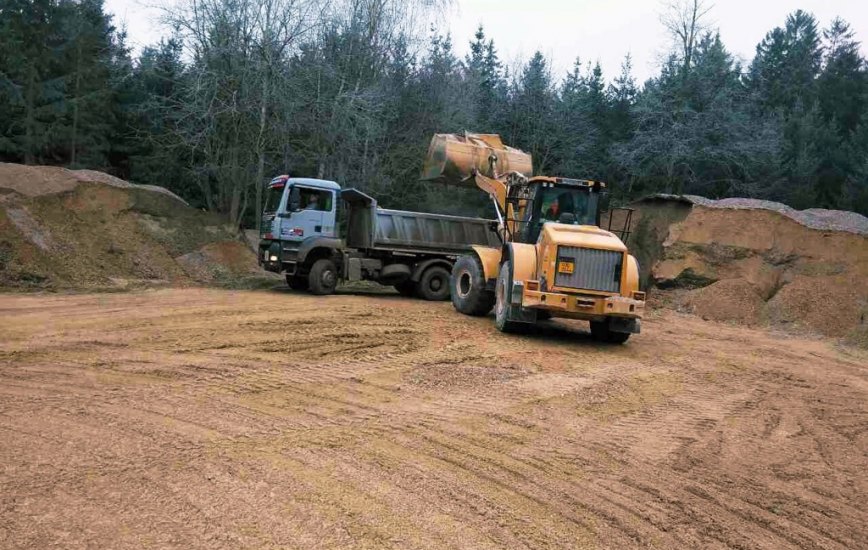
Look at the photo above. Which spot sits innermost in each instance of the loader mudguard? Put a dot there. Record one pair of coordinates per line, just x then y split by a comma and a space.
523, 258
631, 277
490, 259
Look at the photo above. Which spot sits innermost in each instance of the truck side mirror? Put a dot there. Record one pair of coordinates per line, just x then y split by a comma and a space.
294, 199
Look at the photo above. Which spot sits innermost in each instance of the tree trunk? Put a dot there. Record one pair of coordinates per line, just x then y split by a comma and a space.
74, 139
260, 165
29, 108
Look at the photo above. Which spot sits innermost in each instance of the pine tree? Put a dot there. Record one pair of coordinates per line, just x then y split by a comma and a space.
533, 125
576, 133
787, 64
90, 54
843, 84
32, 69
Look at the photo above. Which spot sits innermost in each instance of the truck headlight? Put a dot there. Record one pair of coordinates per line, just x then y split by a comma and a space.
273, 258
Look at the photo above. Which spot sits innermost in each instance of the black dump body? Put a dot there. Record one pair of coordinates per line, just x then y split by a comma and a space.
372, 228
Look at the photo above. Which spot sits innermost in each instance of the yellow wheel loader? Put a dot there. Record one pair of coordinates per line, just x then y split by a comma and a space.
555, 260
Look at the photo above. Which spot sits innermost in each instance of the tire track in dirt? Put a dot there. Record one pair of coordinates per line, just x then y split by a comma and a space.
210, 419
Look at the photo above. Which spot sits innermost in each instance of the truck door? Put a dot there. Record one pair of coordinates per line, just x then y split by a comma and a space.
311, 213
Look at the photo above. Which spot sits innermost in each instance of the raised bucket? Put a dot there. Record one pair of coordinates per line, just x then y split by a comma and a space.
453, 158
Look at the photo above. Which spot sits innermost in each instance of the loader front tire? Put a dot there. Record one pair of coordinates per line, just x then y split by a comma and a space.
467, 283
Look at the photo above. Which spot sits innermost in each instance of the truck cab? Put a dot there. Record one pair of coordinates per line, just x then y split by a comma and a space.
300, 215
412, 251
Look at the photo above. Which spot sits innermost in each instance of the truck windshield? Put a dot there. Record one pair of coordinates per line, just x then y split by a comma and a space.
567, 205
272, 198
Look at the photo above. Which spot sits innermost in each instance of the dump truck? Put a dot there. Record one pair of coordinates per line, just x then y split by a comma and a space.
554, 258
412, 251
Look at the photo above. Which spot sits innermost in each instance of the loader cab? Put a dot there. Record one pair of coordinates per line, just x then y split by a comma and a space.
299, 208
556, 200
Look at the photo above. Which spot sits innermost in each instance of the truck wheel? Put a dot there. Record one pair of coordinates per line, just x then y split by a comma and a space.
406, 288
469, 295
501, 303
323, 277
296, 282
434, 284
600, 332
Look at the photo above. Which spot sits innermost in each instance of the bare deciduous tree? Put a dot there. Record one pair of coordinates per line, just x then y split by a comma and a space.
686, 22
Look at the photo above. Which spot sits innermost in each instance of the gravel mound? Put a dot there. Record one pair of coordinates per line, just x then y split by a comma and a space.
85, 230
756, 262
35, 181
815, 218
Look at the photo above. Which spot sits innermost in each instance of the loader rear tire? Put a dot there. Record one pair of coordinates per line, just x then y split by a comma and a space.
502, 303
600, 331
469, 295
434, 284
323, 277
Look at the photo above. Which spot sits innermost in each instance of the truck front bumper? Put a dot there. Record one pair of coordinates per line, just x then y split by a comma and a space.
269, 256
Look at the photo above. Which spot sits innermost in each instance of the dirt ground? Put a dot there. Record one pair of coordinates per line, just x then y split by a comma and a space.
194, 418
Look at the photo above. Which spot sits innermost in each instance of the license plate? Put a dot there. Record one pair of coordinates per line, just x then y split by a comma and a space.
566, 267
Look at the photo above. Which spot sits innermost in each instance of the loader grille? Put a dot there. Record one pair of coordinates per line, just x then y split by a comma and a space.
592, 269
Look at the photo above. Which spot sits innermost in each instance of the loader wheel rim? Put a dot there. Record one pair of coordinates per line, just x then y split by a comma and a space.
465, 283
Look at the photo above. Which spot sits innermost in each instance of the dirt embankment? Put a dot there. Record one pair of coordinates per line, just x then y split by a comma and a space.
82, 229
757, 262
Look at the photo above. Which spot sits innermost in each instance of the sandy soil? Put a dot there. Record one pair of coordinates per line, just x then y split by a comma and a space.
217, 419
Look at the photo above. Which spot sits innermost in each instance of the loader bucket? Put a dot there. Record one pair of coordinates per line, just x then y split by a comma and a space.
453, 158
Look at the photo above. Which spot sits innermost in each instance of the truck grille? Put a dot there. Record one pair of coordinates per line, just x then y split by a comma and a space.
592, 269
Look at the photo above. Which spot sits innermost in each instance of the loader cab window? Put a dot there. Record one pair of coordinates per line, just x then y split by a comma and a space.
568, 205
571, 206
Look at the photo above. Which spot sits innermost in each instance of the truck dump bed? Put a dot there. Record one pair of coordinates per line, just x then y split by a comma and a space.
371, 227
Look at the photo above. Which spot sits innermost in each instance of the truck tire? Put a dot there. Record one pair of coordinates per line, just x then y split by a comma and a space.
434, 284
296, 282
406, 288
601, 333
501, 302
323, 277
469, 295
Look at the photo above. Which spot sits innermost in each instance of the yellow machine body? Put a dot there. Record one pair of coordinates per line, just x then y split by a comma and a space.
482, 160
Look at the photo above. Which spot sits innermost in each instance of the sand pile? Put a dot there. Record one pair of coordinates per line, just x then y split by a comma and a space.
83, 229
756, 262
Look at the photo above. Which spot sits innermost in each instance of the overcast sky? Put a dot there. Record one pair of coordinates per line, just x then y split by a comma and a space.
604, 30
